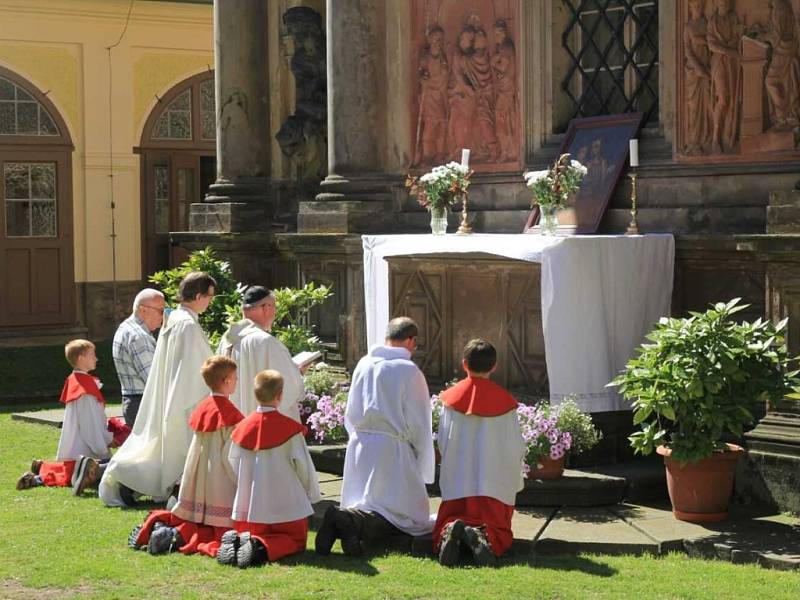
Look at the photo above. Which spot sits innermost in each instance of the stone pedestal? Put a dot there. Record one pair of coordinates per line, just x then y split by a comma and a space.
783, 212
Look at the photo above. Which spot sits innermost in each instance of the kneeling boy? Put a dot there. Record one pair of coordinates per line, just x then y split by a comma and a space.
277, 482
208, 485
84, 433
482, 448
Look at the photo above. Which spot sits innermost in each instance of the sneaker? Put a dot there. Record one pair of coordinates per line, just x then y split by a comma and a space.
27, 481
133, 536
251, 552
476, 541
345, 524
36, 466
226, 555
450, 547
78, 467
88, 476
126, 495
163, 540
327, 534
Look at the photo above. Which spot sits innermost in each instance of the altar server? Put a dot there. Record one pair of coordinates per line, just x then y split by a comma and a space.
250, 343
389, 456
150, 462
84, 433
481, 445
277, 482
208, 486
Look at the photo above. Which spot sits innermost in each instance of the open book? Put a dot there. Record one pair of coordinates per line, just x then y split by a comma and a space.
303, 359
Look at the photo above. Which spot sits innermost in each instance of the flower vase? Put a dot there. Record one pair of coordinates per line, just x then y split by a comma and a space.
548, 224
439, 220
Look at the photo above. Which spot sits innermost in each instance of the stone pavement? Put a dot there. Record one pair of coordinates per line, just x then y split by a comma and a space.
55, 416
771, 541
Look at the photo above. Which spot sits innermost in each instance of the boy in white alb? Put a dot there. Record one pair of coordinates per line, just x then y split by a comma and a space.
277, 482
84, 433
482, 448
208, 486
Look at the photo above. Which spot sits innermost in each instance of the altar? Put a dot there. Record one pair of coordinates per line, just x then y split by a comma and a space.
565, 313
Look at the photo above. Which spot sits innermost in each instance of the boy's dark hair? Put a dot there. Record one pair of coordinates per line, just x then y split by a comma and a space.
401, 328
196, 282
480, 356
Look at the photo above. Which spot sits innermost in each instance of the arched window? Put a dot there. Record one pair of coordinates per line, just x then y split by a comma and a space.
178, 164
36, 250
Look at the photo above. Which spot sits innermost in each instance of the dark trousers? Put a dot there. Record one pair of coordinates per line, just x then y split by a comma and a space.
373, 529
130, 408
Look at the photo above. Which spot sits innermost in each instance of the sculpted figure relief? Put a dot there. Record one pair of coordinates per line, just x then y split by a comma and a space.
724, 39
467, 92
783, 74
697, 80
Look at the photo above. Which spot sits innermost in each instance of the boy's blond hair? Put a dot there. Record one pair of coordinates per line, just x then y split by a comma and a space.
74, 349
215, 369
268, 385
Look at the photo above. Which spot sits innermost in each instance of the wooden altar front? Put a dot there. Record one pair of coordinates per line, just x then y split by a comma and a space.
457, 297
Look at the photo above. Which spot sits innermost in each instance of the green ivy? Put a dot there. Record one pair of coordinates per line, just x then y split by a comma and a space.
702, 377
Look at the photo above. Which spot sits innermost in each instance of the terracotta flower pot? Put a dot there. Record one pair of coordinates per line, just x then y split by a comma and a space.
700, 492
550, 469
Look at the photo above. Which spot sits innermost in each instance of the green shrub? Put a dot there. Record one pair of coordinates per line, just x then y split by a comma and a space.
579, 424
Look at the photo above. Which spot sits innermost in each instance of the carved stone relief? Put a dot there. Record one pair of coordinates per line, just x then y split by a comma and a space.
302, 137
739, 79
465, 83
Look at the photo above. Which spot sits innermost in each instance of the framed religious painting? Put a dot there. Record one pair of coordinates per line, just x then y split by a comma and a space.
601, 145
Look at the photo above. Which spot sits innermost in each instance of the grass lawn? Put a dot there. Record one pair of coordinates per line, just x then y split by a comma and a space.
54, 545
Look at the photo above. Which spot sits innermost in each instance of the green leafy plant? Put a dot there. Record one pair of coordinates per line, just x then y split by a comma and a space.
214, 321
320, 381
578, 424
701, 377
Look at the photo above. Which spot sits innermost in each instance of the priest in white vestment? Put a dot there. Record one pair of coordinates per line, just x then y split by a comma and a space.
151, 460
251, 345
390, 455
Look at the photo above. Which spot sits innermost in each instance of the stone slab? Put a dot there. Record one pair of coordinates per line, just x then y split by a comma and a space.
660, 525
574, 488
592, 530
55, 416
329, 459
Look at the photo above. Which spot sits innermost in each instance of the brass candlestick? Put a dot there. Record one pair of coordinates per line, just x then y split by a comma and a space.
633, 227
464, 228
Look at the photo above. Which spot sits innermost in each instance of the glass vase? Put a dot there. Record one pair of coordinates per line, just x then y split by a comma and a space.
439, 220
548, 224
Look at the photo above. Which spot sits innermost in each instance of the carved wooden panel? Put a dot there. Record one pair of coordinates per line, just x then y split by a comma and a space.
455, 299
465, 83
738, 80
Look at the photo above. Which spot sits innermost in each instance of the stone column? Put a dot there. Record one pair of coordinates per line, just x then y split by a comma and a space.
354, 194
239, 200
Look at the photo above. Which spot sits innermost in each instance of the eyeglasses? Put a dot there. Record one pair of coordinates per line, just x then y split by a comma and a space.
155, 308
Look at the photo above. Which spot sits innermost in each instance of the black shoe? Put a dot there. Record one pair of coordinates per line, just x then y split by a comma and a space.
134, 535
126, 495
450, 548
87, 475
76, 472
251, 552
226, 555
327, 534
163, 540
348, 531
476, 541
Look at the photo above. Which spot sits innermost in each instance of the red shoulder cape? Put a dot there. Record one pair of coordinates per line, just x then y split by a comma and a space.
260, 431
214, 413
480, 397
78, 384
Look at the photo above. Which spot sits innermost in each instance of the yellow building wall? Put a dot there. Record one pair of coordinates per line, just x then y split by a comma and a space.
62, 47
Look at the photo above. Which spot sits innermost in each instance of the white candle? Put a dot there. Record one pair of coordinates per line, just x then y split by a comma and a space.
465, 157
634, 147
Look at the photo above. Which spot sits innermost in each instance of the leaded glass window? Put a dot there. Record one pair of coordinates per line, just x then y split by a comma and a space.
208, 123
21, 114
613, 51
175, 123
30, 199
161, 197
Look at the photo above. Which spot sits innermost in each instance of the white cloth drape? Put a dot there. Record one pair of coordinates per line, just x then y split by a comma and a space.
152, 458
600, 296
85, 430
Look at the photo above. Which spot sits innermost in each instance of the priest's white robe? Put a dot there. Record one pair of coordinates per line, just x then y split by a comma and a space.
390, 455
254, 349
85, 430
152, 458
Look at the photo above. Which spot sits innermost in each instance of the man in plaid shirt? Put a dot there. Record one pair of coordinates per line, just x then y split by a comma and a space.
133, 349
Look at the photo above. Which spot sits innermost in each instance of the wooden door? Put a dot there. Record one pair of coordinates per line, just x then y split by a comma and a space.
36, 251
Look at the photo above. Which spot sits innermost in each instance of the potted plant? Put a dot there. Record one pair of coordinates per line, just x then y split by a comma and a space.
552, 188
438, 189
550, 432
699, 380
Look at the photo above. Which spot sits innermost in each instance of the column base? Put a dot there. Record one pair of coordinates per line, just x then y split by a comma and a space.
228, 217
356, 205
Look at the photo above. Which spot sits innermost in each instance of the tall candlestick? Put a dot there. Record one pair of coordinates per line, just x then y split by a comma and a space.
634, 154
465, 157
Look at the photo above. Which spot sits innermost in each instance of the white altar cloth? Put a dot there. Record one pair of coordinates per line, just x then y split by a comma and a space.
600, 296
